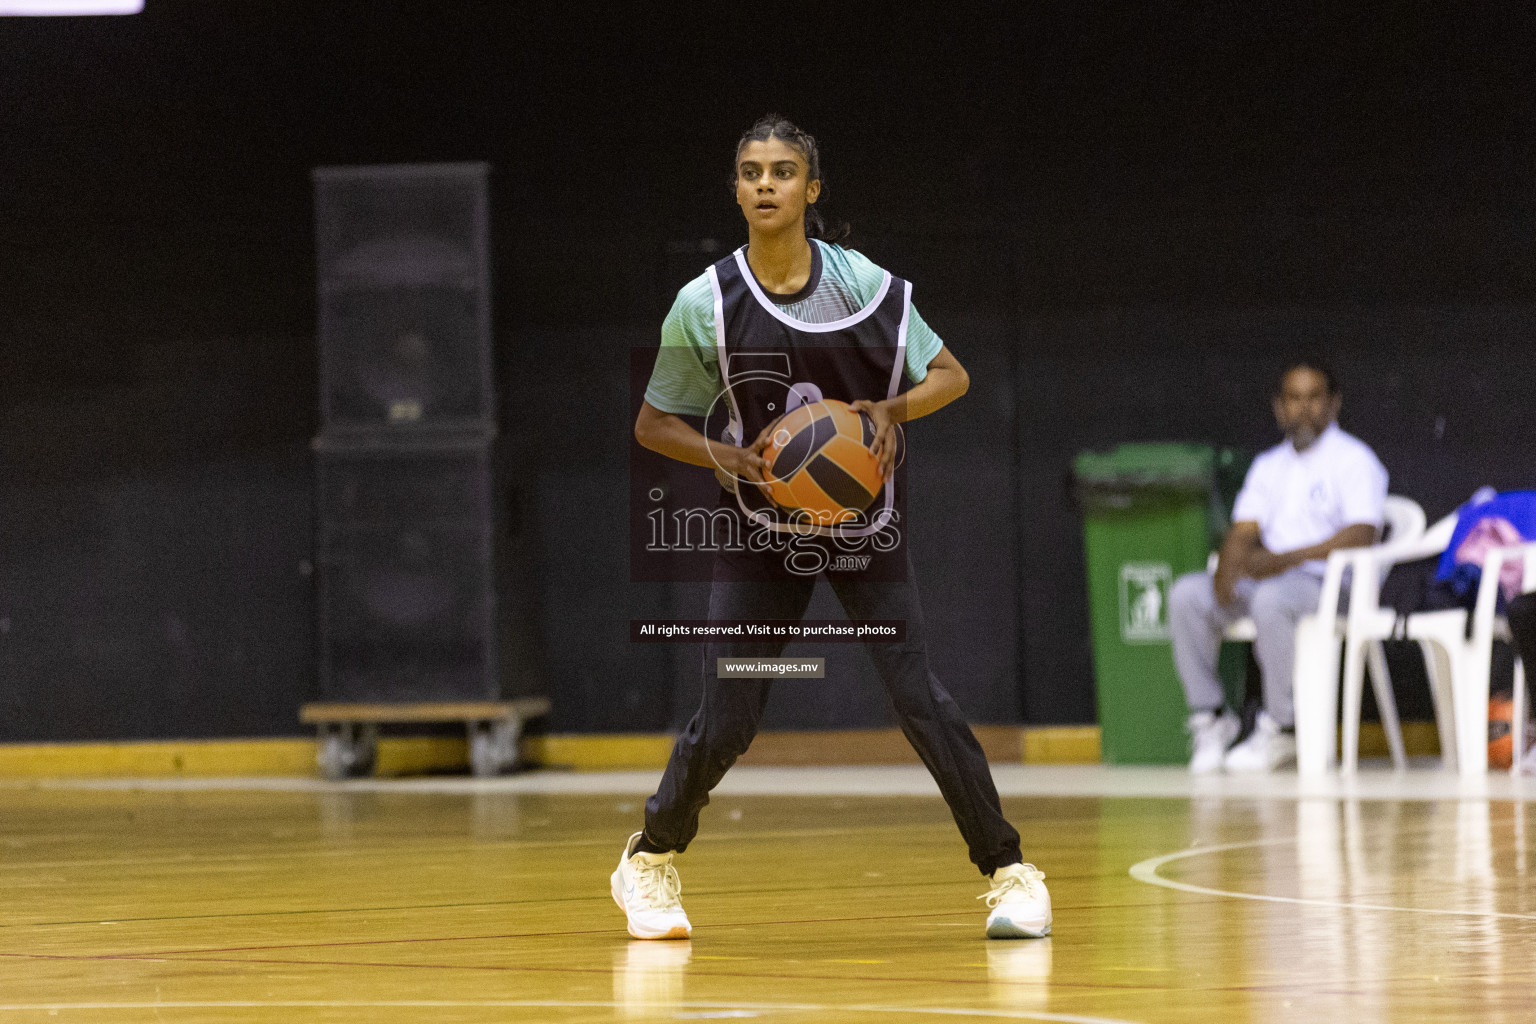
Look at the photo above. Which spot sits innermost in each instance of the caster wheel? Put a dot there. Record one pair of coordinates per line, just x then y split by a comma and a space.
492, 747
346, 751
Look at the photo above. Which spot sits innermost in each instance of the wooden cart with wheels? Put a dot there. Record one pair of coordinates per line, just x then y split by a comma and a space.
349, 733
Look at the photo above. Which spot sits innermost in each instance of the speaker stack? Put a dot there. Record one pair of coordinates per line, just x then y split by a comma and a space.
405, 517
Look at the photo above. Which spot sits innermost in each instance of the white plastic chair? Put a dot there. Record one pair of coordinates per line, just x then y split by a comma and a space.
1457, 661
1315, 676
1318, 638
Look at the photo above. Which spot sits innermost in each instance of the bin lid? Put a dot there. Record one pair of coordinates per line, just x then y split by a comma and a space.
1153, 465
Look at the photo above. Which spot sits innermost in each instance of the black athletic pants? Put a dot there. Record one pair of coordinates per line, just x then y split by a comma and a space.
724, 725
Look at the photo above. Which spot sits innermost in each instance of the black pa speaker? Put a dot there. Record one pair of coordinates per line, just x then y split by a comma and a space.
404, 298
407, 596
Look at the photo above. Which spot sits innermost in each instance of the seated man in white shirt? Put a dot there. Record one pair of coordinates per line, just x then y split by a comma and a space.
1319, 490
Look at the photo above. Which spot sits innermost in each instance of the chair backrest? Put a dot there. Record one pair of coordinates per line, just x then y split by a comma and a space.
1439, 535
1404, 519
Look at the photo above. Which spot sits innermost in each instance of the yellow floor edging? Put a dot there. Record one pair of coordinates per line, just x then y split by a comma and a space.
1420, 739
160, 758
1061, 744
600, 752
414, 755
290, 756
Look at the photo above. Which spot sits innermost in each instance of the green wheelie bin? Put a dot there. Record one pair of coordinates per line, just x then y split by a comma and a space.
1150, 513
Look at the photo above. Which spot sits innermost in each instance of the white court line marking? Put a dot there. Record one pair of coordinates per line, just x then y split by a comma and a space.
1146, 871
312, 1004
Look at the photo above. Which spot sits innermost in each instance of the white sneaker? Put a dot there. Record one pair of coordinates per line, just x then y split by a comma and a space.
1021, 908
646, 888
1210, 734
1265, 749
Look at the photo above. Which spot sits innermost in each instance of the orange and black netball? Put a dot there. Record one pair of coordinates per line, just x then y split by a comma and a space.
818, 460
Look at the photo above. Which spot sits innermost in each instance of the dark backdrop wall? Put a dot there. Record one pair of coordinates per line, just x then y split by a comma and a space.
1121, 222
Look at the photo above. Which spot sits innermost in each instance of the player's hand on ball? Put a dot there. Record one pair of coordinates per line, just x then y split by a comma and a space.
884, 446
764, 438
747, 463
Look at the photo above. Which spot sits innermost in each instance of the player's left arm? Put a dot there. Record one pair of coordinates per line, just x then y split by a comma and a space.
945, 381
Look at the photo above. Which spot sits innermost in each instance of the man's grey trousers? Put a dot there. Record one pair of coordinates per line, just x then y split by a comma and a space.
1197, 621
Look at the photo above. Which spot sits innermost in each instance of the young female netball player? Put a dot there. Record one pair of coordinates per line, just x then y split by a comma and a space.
838, 327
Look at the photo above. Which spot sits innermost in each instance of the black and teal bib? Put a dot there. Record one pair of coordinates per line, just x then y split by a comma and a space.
770, 363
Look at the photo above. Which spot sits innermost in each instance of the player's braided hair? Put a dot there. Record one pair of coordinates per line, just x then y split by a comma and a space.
772, 126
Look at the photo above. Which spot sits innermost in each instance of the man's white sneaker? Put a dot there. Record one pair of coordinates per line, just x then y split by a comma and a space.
1265, 749
1021, 908
646, 888
1210, 734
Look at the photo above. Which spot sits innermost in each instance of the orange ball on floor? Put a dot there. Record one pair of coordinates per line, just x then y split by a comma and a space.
1501, 715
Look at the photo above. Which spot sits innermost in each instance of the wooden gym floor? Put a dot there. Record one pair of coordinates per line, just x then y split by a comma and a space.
831, 895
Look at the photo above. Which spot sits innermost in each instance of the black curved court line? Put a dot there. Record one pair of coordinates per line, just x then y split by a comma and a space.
513, 968
614, 929
611, 930
600, 897
437, 847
